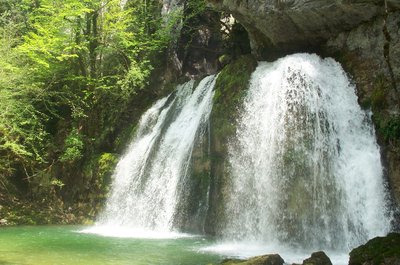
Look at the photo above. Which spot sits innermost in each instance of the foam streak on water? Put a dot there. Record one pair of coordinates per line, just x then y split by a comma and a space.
150, 178
305, 165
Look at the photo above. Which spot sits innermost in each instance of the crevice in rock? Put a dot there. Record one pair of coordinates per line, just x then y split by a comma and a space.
386, 48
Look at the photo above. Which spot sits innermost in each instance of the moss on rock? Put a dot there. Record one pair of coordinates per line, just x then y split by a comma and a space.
230, 89
378, 251
273, 259
388, 126
52, 210
232, 82
318, 258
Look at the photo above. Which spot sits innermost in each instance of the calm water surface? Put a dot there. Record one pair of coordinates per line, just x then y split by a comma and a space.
65, 245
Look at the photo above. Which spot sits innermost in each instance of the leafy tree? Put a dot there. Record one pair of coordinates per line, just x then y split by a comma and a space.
68, 70
22, 134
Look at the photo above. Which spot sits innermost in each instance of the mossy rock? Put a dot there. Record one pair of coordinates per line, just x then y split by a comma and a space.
378, 251
379, 93
273, 259
387, 125
233, 81
232, 261
230, 89
318, 258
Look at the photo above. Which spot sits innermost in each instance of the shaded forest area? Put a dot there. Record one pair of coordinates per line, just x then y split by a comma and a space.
75, 77
70, 71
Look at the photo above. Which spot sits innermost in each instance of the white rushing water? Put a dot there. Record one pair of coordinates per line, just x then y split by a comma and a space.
305, 166
151, 176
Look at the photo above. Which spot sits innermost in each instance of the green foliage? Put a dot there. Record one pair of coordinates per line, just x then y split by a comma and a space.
73, 147
195, 9
393, 129
388, 126
378, 96
69, 71
97, 173
22, 133
106, 164
135, 77
57, 183
44, 211
387, 123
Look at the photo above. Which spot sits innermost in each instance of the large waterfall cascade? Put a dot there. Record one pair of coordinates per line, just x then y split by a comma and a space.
305, 166
148, 182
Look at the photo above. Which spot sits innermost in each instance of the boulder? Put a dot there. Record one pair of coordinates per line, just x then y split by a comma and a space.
318, 258
272, 259
378, 251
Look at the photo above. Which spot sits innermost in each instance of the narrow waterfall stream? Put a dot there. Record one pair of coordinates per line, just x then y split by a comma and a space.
305, 166
149, 180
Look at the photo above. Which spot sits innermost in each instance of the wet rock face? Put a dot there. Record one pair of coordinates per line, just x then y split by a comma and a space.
361, 51
295, 25
272, 259
372, 58
378, 251
361, 34
318, 258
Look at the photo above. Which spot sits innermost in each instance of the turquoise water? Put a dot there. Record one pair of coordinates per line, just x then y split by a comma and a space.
65, 245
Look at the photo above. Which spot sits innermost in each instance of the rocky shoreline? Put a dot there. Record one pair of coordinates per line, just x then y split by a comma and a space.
377, 251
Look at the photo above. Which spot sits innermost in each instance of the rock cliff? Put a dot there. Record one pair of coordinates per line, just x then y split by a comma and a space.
371, 54
281, 26
363, 35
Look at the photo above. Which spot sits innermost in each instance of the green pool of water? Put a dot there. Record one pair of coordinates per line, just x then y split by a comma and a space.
64, 245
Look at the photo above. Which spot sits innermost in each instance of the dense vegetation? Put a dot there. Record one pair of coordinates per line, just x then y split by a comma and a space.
70, 72
75, 77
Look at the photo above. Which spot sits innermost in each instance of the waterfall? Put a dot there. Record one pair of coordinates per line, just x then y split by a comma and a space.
305, 166
149, 180
303, 169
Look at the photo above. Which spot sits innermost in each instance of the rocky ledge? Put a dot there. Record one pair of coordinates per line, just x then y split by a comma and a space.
293, 25
377, 251
272, 259
317, 258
